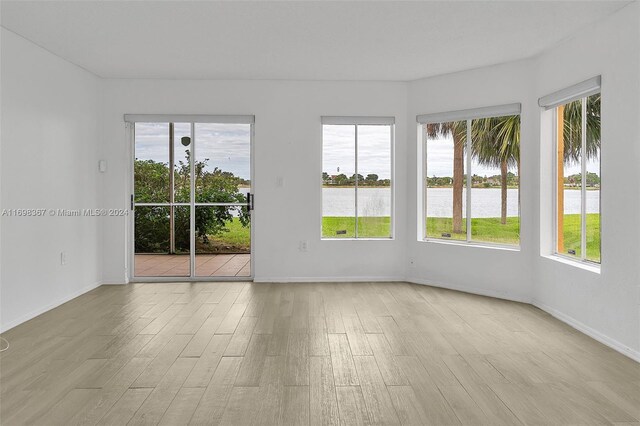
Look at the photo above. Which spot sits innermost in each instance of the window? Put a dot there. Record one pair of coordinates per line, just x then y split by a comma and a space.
578, 179
471, 175
576, 114
357, 176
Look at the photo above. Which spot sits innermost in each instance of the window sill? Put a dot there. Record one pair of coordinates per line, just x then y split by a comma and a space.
475, 244
358, 239
587, 266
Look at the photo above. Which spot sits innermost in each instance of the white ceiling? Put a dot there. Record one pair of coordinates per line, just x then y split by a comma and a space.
296, 40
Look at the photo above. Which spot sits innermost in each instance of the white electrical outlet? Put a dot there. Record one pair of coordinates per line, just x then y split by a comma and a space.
412, 262
304, 245
280, 182
63, 258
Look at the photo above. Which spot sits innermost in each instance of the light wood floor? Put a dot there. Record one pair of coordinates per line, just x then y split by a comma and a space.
287, 354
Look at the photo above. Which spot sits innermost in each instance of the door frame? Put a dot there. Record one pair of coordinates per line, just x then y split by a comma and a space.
130, 120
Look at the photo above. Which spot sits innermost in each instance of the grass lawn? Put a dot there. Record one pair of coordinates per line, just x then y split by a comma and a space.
368, 227
572, 227
238, 239
488, 230
491, 230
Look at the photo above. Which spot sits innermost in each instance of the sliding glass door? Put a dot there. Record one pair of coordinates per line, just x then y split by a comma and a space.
192, 198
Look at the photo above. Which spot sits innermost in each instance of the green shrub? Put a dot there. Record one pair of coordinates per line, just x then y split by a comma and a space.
152, 186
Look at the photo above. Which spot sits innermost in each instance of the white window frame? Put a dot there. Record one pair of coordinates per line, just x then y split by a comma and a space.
583, 190
130, 120
580, 91
362, 121
467, 115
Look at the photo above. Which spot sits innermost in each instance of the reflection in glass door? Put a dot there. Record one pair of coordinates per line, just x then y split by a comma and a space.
192, 199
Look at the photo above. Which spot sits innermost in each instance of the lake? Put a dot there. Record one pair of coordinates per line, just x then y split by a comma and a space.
485, 202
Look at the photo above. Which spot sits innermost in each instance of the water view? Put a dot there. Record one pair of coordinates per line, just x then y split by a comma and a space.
485, 202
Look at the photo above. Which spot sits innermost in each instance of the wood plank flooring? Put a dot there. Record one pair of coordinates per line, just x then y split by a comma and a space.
308, 354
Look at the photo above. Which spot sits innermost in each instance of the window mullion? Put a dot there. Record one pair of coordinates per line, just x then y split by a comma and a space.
468, 175
556, 224
583, 184
192, 201
356, 179
425, 174
172, 221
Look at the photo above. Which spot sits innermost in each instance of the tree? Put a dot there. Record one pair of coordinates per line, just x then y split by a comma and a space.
593, 179
151, 181
495, 142
341, 179
359, 177
152, 186
458, 131
572, 124
371, 179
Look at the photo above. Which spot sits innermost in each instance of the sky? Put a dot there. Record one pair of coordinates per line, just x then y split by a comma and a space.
227, 146
440, 162
375, 154
374, 150
593, 166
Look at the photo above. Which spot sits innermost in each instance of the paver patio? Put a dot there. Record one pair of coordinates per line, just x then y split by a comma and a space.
207, 265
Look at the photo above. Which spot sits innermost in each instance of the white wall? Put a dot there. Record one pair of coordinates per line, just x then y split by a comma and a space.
607, 304
49, 151
496, 272
288, 144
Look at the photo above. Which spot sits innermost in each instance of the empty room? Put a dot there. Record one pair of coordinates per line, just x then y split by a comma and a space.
319, 212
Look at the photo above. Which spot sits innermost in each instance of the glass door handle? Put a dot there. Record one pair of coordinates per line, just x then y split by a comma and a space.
249, 201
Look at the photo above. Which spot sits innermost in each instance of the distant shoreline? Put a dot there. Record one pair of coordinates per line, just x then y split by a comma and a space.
572, 188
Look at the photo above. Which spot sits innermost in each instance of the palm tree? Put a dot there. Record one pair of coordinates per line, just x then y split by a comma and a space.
495, 142
572, 123
457, 130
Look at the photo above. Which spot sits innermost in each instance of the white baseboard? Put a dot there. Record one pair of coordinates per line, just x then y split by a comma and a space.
115, 280
11, 324
472, 290
594, 334
412, 280
326, 279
